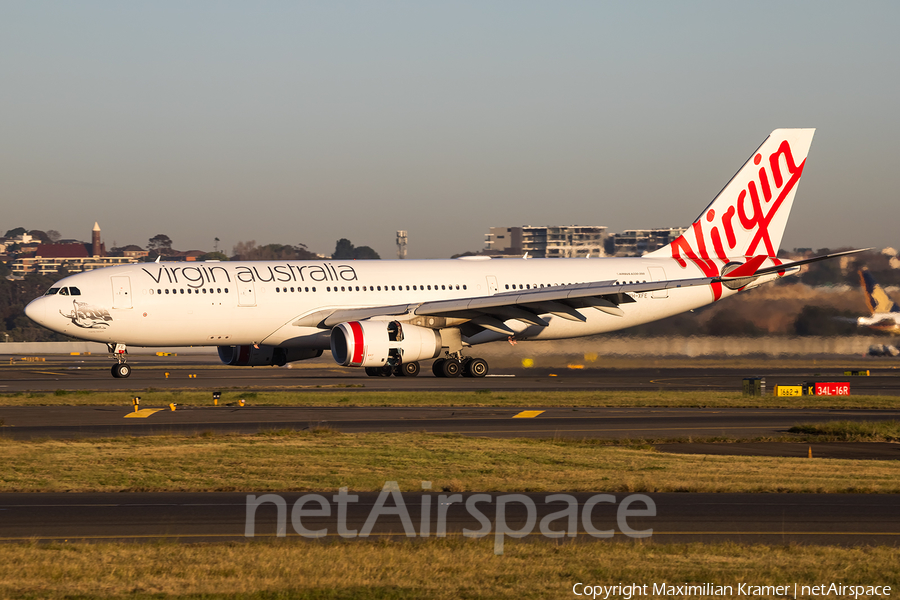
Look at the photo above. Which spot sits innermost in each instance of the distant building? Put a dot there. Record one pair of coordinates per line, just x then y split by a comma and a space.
20, 243
637, 242
72, 257
557, 241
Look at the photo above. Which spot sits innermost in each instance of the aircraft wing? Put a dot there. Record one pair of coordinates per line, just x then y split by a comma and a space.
490, 312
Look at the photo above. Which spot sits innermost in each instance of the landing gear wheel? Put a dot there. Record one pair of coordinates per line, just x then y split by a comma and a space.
121, 370
385, 371
437, 367
410, 369
451, 368
476, 367
373, 371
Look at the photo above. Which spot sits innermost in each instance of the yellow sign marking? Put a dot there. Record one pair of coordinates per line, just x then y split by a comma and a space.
143, 413
788, 390
528, 414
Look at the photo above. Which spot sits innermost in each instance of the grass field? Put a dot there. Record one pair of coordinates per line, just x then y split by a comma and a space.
851, 431
484, 397
325, 460
450, 568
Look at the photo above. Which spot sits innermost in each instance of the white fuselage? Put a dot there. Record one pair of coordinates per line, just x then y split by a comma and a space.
231, 303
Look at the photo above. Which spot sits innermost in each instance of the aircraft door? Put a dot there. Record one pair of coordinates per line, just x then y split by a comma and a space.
492, 284
246, 293
121, 286
658, 274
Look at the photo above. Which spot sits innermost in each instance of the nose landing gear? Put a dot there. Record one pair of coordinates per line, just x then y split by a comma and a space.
121, 369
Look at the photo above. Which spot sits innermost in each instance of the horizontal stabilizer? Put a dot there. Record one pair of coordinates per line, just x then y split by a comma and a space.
748, 269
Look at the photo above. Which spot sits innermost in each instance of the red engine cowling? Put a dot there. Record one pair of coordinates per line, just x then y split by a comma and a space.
252, 356
372, 343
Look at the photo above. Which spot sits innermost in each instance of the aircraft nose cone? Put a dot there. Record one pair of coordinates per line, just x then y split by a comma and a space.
36, 311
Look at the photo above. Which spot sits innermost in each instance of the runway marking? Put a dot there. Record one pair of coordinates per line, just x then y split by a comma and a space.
561, 431
528, 414
448, 534
143, 413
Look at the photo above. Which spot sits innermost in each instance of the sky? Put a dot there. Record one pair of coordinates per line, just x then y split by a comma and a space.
298, 122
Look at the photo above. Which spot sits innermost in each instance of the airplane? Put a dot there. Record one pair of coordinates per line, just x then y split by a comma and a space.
386, 316
885, 313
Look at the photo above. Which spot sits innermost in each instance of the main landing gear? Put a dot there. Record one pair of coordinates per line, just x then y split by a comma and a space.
454, 366
121, 369
410, 369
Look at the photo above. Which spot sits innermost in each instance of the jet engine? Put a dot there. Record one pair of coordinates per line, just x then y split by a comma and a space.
253, 356
380, 343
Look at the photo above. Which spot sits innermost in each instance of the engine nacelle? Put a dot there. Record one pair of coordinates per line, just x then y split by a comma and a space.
251, 356
376, 343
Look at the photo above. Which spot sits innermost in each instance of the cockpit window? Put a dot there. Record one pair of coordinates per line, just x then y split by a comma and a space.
74, 291
63, 291
52, 291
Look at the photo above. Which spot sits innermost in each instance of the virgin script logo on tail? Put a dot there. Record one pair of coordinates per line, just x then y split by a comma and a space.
740, 227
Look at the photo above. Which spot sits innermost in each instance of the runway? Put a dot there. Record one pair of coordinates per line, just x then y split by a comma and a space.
751, 518
57, 422
204, 372
194, 517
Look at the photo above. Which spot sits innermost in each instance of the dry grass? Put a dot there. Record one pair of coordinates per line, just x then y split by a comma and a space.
326, 460
484, 397
439, 569
851, 431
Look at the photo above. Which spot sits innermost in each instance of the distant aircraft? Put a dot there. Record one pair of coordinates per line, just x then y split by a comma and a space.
386, 316
885, 312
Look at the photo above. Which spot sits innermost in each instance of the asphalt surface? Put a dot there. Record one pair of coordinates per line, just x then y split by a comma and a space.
193, 517
93, 373
756, 518
28, 422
